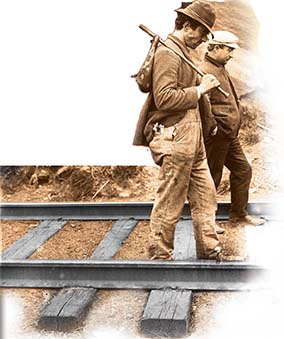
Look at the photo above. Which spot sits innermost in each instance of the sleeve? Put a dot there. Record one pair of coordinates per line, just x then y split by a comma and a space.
167, 95
207, 117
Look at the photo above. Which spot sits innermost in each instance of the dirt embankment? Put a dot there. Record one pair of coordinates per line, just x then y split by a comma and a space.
133, 183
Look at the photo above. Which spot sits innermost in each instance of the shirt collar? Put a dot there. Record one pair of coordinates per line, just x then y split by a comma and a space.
185, 50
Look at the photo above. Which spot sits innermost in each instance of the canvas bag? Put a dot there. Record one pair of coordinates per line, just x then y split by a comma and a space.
144, 75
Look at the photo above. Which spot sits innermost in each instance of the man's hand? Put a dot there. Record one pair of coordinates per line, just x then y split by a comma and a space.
208, 82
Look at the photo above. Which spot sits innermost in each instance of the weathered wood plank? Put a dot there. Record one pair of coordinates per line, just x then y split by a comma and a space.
167, 313
69, 307
184, 243
114, 239
31, 241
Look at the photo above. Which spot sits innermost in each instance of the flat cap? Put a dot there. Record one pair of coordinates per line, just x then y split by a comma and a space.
224, 38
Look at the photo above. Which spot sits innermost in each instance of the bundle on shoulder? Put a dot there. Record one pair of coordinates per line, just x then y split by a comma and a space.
144, 75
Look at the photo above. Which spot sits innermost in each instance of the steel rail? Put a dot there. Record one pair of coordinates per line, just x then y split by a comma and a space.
109, 210
122, 274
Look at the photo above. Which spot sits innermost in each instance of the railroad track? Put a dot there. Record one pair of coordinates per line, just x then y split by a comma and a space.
171, 283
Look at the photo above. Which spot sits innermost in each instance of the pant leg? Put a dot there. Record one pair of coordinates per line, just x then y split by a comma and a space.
240, 178
217, 149
203, 205
168, 205
174, 150
179, 150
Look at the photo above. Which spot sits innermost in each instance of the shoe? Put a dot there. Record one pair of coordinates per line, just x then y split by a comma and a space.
160, 257
215, 255
219, 230
247, 220
157, 254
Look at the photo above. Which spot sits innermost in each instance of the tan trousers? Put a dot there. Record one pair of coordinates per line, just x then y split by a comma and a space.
184, 174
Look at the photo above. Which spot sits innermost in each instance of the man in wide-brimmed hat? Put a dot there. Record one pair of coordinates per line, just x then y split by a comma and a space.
222, 144
173, 133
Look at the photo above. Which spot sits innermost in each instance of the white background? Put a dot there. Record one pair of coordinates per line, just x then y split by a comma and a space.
66, 92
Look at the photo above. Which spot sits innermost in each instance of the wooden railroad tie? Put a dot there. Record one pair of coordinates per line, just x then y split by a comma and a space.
69, 307
167, 313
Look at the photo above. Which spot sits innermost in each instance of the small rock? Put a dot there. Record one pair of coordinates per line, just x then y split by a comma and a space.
124, 194
63, 173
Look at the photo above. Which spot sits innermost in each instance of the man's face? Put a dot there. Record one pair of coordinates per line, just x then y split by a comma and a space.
223, 54
194, 37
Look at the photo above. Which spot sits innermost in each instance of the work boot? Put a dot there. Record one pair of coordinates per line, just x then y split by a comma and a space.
216, 254
156, 253
247, 220
218, 229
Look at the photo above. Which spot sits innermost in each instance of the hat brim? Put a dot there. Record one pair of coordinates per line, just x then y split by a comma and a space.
232, 45
190, 13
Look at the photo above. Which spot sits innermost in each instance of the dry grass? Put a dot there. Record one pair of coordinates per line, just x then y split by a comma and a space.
253, 114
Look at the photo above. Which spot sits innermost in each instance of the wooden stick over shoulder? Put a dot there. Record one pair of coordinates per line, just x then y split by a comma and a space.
189, 62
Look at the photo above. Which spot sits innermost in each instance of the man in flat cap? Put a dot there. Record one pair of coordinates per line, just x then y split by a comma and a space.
222, 142
173, 133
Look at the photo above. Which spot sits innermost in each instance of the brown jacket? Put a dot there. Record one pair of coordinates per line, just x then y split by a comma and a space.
173, 93
227, 111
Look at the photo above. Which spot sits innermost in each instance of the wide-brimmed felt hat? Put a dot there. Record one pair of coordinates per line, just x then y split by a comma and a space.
224, 38
201, 11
